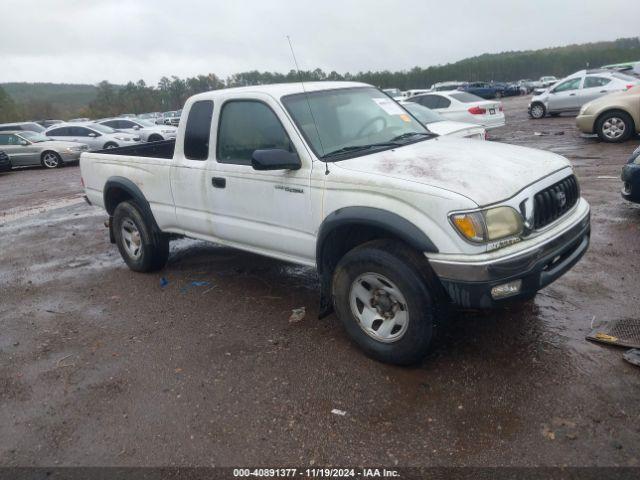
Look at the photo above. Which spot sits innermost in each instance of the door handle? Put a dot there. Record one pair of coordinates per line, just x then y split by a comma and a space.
219, 182
603, 91
572, 94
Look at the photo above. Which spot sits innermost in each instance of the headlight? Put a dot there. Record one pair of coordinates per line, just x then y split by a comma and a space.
73, 149
488, 225
584, 108
635, 156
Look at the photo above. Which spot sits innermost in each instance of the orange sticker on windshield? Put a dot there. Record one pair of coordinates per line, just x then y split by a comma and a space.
405, 118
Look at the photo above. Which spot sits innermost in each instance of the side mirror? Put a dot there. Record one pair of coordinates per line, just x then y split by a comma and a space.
275, 159
136, 127
24, 143
92, 135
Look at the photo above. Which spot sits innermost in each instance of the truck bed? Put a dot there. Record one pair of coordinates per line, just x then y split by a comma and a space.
163, 149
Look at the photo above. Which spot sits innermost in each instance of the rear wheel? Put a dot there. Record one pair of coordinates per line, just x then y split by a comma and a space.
388, 300
50, 160
142, 249
615, 127
155, 138
538, 110
110, 145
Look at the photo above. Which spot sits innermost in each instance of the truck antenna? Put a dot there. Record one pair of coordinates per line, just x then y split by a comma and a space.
306, 95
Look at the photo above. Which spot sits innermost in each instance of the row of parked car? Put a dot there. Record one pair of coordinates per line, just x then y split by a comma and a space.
607, 103
30, 143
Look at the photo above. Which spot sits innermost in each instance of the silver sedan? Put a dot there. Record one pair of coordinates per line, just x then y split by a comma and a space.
30, 148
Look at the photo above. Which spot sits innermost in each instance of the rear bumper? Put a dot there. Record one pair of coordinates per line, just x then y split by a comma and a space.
631, 182
470, 283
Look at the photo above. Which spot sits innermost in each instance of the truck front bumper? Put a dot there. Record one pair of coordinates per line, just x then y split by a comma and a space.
489, 280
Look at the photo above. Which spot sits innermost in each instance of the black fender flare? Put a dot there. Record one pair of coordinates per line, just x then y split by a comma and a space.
393, 223
132, 190
383, 220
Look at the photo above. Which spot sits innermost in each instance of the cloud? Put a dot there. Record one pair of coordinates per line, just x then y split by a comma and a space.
76, 41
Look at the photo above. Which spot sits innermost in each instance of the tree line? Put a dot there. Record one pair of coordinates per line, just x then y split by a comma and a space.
171, 93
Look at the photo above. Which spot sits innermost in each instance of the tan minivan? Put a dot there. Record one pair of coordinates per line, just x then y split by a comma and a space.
614, 117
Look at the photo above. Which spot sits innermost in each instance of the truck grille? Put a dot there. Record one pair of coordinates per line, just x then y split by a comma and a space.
554, 201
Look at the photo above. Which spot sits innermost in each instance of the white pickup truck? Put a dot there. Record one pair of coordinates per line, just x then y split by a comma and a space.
399, 222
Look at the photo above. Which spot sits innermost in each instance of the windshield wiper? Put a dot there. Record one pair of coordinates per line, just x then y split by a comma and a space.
357, 148
411, 134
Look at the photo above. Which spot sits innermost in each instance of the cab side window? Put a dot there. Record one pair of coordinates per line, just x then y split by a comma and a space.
247, 126
198, 130
572, 84
591, 82
111, 123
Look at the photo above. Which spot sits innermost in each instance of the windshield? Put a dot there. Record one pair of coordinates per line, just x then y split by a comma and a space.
350, 118
101, 128
34, 137
422, 113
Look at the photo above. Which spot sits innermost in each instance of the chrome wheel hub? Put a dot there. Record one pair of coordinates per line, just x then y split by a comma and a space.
131, 238
379, 307
613, 128
50, 160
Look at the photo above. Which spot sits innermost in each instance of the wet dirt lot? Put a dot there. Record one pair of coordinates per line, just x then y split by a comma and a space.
103, 366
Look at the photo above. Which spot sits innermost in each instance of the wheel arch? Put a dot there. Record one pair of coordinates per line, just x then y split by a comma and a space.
349, 227
120, 189
596, 122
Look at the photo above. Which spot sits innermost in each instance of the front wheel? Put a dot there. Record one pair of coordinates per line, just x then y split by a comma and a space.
142, 248
110, 145
51, 160
389, 301
614, 127
538, 111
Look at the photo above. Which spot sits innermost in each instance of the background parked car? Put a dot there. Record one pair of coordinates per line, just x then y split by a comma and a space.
547, 81
96, 136
434, 122
30, 148
153, 116
614, 117
631, 178
414, 92
5, 162
570, 93
394, 93
146, 129
481, 89
79, 120
29, 126
463, 107
48, 123
170, 118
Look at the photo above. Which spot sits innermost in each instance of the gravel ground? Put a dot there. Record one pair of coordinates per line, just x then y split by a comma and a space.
103, 366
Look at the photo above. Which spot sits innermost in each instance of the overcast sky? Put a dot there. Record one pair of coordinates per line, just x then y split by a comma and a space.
86, 41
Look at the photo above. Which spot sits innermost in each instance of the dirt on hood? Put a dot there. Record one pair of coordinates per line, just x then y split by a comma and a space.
485, 172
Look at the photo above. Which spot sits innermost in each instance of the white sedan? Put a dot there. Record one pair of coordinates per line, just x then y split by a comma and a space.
146, 129
463, 107
434, 122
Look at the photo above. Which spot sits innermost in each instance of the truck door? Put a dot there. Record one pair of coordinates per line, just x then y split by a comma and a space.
266, 211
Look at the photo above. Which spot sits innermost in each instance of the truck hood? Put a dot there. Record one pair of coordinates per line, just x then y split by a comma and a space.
485, 172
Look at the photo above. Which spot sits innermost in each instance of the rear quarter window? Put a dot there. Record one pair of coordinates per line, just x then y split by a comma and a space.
198, 130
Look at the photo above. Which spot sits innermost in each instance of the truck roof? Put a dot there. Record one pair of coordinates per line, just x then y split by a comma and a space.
281, 89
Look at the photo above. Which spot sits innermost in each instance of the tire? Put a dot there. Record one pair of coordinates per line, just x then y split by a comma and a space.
615, 127
110, 145
400, 284
155, 138
142, 248
538, 111
50, 159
